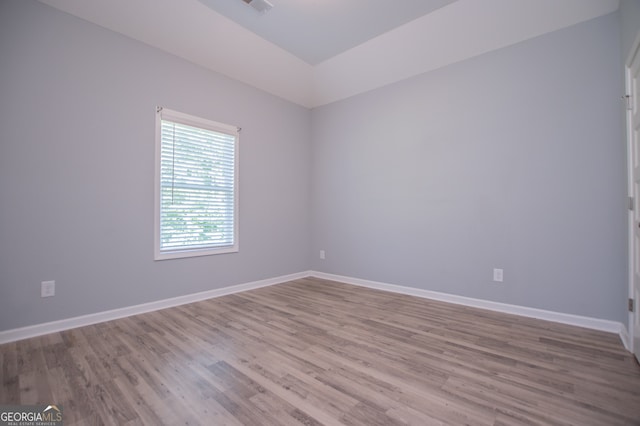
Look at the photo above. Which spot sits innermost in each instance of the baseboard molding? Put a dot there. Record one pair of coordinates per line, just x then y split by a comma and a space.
80, 321
577, 320
624, 336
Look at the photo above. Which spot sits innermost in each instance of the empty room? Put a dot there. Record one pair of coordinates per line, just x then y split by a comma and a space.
327, 212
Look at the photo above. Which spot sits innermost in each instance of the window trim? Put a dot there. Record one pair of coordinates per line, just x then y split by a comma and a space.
190, 120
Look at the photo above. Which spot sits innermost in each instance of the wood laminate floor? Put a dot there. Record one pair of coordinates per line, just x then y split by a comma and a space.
317, 352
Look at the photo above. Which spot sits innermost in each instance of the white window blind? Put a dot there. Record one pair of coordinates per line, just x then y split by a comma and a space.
197, 186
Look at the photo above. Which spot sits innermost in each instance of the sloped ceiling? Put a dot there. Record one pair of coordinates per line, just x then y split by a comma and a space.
459, 30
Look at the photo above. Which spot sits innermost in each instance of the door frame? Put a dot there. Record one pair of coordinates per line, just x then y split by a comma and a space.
635, 50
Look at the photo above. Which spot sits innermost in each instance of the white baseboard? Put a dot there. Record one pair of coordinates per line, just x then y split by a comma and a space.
624, 336
80, 321
577, 320
69, 323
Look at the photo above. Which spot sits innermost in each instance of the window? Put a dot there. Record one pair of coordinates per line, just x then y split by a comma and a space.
196, 186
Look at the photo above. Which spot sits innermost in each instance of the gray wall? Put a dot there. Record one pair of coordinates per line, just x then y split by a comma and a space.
512, 159
77, 162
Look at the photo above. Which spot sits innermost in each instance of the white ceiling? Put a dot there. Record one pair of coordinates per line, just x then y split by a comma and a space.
318, 30
382, 45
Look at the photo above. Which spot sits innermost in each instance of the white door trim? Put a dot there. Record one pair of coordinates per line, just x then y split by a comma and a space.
631, 219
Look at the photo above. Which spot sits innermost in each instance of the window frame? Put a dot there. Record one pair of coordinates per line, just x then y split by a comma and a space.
203, 123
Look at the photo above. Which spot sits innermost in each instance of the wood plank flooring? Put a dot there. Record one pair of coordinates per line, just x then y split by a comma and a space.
315, 352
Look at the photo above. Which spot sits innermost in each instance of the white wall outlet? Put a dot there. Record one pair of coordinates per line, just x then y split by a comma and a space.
322, 254
48, 289
498, 275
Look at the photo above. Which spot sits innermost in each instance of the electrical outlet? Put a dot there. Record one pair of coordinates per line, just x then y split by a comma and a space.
322, 254
47, 288
498, 275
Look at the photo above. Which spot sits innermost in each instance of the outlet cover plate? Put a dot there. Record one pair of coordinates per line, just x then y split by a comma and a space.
48, 289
